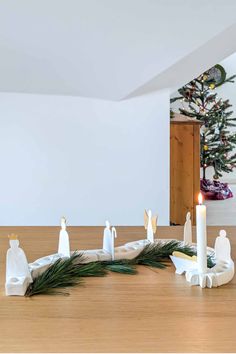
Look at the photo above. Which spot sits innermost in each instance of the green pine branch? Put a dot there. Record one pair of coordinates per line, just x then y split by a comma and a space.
69, 272
64, 273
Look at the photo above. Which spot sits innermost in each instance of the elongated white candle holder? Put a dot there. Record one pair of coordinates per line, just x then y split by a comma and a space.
19, 274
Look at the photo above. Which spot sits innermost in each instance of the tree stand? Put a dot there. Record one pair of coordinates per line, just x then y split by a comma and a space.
215, 190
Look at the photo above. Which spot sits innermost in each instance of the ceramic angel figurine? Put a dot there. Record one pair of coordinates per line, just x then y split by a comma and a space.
150, 224
188, 229
108, 239
64, 242
18, 275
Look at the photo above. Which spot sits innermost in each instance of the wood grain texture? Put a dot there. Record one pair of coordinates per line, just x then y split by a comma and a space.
180, 118
184, 170
154, 311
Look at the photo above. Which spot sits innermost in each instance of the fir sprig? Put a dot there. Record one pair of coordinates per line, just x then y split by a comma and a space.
92, 269
69, 272
154, 255
62, 274
121, 266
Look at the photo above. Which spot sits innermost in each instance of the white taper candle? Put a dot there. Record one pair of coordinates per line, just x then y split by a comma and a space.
201, 236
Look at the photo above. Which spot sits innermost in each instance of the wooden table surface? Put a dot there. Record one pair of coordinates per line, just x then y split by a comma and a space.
154, 311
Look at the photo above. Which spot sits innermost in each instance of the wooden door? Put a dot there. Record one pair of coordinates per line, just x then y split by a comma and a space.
184, 169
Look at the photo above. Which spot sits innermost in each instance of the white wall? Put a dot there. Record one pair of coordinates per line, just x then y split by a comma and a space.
87, 159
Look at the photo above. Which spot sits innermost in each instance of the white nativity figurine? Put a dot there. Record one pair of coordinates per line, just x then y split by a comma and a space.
64, 242
222, 247
183, 263
18, 275
109, 236
188, 229
222, 272
150, 224
224, 267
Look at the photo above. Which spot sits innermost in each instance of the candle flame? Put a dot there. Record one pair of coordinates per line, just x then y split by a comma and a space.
200, 198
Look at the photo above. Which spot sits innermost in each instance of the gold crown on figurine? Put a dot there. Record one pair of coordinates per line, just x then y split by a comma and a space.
13, 237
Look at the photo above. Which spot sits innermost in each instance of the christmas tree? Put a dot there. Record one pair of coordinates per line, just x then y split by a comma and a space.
200, 101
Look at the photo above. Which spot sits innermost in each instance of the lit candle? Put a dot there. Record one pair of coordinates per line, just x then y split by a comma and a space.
201, 236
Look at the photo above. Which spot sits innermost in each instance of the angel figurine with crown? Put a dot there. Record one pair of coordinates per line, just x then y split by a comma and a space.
18, 275
150, 224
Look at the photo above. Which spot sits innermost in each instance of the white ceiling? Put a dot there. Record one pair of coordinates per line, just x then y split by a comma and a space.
193, 64
106, 49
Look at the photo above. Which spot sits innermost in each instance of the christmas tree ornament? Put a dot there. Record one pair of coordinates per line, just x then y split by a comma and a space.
217, 74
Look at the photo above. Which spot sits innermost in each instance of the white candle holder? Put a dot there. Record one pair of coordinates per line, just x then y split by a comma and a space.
19, 273
223, 271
